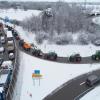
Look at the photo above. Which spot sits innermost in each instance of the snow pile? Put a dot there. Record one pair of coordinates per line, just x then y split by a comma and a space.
18, 14
92, 95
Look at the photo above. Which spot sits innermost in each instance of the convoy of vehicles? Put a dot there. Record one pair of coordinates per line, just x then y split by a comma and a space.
75, 58
92, 80
7, 65
96, 56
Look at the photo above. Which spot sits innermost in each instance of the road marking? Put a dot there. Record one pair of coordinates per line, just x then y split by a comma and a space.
82, 83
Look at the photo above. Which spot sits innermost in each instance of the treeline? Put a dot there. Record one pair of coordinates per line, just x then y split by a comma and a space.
58, 24
25, 5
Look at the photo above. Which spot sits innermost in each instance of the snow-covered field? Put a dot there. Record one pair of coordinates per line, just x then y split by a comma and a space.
92, 95
17, 14
54, 74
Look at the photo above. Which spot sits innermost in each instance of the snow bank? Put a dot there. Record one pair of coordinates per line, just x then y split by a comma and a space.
92, 95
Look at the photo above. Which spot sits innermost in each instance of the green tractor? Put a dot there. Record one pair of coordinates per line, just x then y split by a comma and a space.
50, 56
75, 58
96, 56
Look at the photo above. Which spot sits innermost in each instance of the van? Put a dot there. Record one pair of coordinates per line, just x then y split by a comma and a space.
92, 80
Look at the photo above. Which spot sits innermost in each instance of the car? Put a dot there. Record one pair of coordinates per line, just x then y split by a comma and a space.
2, 38
75, 58
2, 49
92, 80
97, 42
1, 61
50, 56
7, 65
11, 56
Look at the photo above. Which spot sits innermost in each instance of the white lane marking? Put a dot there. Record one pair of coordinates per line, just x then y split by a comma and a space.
82, 83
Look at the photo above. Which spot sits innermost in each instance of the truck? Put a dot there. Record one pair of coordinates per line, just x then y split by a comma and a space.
10, 46
9, 35
96, 56
75, 58
92, 80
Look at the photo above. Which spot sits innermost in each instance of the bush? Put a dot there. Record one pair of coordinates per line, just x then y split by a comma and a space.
83, 39
63, 39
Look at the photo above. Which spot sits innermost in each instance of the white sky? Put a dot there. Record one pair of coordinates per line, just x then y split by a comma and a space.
57, 0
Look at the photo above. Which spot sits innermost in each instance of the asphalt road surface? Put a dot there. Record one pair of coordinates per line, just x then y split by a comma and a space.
70, 90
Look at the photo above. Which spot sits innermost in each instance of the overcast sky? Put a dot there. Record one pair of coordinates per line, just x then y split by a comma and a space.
57, 0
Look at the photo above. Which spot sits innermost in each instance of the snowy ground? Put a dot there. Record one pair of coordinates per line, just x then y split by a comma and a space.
92, 95
18, 14
54, 75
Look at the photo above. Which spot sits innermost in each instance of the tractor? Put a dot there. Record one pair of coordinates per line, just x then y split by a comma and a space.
75, 58
26, 46
50, 56
37, 52
96, 56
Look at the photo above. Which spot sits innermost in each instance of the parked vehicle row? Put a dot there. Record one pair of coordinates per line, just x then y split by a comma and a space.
7, 49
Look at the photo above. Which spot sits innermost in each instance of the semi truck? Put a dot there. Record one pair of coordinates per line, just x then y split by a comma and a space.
10, 46
92, 80
9, 35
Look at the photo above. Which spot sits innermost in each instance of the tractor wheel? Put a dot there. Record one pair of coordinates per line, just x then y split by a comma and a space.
78, 59
97, 58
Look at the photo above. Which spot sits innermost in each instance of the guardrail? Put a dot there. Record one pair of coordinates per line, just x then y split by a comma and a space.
11, 88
